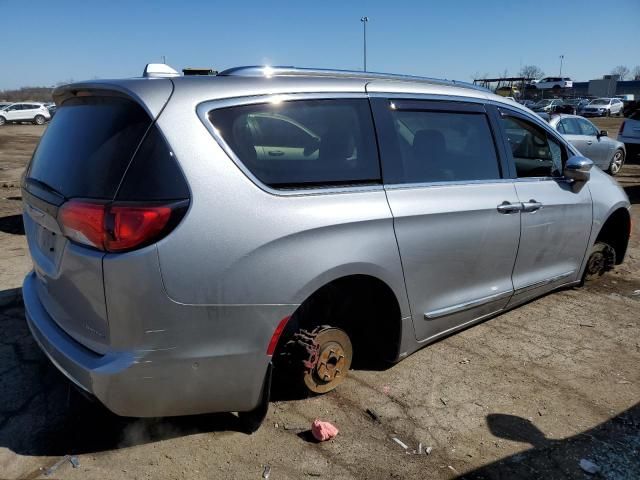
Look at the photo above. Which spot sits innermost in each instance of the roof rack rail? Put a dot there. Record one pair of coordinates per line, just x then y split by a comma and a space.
276, 71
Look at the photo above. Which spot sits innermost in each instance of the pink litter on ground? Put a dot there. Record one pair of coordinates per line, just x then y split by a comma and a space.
323, 431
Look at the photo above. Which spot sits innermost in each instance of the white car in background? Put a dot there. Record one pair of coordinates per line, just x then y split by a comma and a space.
603, 107
25, 112
547, 83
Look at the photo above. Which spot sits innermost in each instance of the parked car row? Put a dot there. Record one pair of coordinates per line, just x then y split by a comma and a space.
599, 107
35, 112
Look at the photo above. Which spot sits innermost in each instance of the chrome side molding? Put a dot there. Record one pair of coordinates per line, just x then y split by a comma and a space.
466, 305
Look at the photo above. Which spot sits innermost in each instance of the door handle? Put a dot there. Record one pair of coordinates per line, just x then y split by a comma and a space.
507, 207
276, 153
589, 142
531, 206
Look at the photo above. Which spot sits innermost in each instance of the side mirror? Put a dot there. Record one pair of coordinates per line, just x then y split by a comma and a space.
578, 168
603, 133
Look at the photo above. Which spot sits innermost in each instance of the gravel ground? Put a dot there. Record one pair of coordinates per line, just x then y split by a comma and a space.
527, 394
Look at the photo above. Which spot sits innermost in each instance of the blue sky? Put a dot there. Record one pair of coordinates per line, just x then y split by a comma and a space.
45, 42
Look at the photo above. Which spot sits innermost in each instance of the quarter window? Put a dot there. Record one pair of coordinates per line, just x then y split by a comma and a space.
440, 146
303, 143
535, 152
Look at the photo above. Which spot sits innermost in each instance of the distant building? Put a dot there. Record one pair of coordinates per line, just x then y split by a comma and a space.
607, 86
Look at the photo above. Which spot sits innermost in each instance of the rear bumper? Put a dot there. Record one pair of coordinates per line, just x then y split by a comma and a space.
150, 383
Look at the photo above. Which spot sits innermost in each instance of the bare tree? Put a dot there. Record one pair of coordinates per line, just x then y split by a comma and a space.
635, 73
621, 70
531, 71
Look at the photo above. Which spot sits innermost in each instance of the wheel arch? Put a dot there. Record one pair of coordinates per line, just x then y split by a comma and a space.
363, 304
615, 231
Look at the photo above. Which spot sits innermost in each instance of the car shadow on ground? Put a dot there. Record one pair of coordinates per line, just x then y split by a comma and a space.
612, 446
42, 414
12, 224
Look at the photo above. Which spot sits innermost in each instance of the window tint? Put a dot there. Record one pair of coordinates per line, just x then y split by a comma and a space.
88, 145
154, 173
535, 153
586, 127
437, 146
635, 115
569, 126
303, 143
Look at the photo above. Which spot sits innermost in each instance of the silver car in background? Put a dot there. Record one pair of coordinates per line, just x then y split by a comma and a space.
605, 152
195, 237
603, 107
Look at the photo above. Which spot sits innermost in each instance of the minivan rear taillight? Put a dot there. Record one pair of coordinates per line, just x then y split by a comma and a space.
118, 227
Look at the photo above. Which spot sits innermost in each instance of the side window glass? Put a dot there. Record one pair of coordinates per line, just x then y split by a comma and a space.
440, 146
535, 152
587, 128
283, 132
303, 143
561, 127
571, 127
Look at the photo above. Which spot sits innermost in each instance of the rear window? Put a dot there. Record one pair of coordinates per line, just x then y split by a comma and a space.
303, 143
88, 145
635, 115
444, 146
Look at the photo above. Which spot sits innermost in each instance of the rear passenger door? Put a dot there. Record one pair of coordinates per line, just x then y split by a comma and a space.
556, 215
456, 217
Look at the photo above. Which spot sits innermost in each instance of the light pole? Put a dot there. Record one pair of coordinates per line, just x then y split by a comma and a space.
561, 59
364, 21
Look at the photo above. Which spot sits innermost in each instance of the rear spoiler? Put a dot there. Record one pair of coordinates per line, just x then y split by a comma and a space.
151, 94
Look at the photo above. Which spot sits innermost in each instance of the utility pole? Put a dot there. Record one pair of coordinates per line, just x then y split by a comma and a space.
561, 59
164, 59
364, 21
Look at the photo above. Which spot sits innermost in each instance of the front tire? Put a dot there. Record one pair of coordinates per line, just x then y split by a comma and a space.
39, 120
2, 121
616, 163
602, 258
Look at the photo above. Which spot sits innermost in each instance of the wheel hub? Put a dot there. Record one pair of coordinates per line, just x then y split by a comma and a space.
601, 261
329, 357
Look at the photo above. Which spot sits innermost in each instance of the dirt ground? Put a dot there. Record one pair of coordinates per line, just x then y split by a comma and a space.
527, 394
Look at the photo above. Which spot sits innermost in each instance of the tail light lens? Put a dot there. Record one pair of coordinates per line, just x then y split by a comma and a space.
621, 128
118, 227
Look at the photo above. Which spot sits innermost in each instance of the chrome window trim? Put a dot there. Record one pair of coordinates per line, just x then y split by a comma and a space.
447, 183
429, 96
204, 108
460, 307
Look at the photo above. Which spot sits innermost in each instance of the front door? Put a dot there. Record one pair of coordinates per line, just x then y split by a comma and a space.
456, 216
556, 216
14, 112
600, 148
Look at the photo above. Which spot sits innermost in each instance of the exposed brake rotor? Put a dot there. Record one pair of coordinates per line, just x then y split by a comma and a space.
328, 357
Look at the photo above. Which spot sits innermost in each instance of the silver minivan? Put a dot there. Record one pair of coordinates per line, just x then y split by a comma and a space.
194, 237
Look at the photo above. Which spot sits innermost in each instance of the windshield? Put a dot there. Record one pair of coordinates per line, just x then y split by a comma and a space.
600, 101
543, 103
